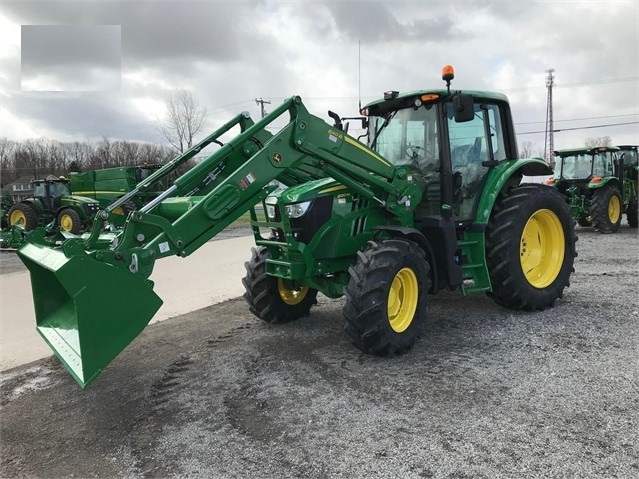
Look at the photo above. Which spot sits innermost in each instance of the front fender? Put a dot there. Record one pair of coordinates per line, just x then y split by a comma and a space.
509, 171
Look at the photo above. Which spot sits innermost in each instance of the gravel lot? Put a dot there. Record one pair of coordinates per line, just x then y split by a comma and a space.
487, 392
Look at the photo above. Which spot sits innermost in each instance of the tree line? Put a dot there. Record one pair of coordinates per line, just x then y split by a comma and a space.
39, 157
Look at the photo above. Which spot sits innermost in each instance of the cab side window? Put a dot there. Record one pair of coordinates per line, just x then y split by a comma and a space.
469, 149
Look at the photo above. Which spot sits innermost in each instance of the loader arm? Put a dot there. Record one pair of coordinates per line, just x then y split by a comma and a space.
71, 280
238, 176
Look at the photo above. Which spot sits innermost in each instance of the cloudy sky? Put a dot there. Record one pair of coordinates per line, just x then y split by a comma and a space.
78, 70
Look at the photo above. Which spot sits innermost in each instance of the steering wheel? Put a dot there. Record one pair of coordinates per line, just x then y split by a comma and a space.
413, 152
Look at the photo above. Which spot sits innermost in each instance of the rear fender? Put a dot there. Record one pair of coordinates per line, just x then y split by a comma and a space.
614, 182
507, 174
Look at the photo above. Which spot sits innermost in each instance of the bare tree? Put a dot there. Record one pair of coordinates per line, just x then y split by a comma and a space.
7, 170
526, 149
185, 118
601, 141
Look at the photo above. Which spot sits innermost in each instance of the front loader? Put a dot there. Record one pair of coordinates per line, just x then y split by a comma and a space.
433, 200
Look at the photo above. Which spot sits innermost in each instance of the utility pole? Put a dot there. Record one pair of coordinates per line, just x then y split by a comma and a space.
261, 103
549, 142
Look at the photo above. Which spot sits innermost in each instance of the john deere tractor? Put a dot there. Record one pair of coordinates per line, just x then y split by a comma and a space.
431, 201
597, 186
52, 201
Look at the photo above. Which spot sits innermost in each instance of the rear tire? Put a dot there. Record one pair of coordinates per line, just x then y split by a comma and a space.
632, 213
605, 209
386, 297
530, 247
23, 214
268, 297
69, 220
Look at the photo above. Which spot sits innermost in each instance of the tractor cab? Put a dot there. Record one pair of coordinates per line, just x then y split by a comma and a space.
629, 161
581, 165
143, 172
50, 192
449, 140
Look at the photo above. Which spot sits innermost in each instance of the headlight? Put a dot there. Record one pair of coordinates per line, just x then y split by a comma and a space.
297, 209
270, 212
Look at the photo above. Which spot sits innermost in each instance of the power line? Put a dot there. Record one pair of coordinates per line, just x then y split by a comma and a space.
261, 103
580, 128
579, 119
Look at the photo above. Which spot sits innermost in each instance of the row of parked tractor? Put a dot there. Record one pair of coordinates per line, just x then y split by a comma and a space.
600, 185
70, 203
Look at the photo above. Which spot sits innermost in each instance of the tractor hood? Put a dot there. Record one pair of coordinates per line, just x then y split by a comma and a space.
305, 192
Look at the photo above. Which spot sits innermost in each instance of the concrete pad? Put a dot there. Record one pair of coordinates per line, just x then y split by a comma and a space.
210, 275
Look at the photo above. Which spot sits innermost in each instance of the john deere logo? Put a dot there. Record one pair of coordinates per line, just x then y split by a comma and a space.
277, 158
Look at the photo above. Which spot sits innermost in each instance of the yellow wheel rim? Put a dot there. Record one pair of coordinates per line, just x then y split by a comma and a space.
118, 211
66, 222
614, 209
17, 218
291, 296
402, 300
542, 248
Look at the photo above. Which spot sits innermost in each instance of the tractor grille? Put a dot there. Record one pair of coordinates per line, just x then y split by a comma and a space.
305, 227
91, 208
359, 224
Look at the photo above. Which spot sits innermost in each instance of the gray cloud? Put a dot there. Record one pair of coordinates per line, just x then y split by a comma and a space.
70, 57
81, 115
374, 22
53, 45
228, 53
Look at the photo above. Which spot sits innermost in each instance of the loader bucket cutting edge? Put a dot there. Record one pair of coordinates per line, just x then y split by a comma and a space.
85, 323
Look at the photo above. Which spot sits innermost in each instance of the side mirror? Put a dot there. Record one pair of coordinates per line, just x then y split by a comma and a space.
463, 107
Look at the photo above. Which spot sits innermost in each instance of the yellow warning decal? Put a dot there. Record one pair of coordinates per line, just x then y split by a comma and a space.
332, 188
357, 144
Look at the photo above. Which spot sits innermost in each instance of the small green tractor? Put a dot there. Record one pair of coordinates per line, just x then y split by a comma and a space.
52, 201
598, 185
432, 200
109, 184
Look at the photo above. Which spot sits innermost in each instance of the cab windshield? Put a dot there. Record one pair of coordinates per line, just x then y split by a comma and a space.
407, 136
573, 167
59, 189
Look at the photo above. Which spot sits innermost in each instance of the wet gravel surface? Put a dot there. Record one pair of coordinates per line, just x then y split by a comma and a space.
486, 393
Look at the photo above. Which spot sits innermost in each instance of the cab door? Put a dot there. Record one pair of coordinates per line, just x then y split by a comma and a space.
474, 147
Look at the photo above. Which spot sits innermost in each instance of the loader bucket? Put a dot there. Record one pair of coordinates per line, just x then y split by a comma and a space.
87, 311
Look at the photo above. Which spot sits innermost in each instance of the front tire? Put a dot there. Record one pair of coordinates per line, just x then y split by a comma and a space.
632, 213
23, 214
530, 247
605, 209
69, 220
386, 297
270, 298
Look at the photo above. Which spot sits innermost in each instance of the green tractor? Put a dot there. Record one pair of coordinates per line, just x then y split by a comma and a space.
596, 185
109, 184
52, 201
433, 200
